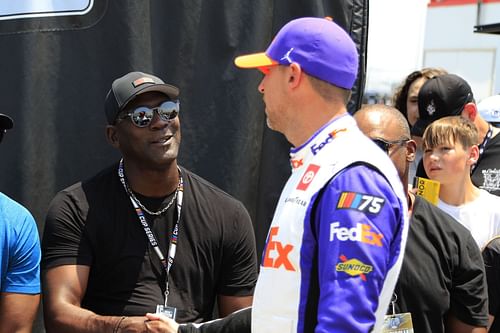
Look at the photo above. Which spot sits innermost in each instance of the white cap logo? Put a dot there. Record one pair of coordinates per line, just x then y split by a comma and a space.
431, 108
287, 56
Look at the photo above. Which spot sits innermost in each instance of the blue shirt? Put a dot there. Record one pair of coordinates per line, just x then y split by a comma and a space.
20, 245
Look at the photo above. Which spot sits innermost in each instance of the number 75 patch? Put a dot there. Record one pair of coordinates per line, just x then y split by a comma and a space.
361, 202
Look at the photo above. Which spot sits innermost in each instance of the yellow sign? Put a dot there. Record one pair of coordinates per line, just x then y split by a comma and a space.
428, 189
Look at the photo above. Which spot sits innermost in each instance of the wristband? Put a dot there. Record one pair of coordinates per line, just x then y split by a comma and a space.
117, 326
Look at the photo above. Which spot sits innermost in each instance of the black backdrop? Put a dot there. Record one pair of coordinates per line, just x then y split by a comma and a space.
55, 72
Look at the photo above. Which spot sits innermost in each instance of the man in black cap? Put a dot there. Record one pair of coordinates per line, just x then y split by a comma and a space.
450, 95
19, 261
144, 235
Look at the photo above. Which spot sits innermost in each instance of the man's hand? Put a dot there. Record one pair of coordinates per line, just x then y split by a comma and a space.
160, 324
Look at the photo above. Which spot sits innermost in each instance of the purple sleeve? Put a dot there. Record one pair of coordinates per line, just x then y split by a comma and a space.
358, 223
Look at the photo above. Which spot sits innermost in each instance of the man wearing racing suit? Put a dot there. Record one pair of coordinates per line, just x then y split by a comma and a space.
336, 242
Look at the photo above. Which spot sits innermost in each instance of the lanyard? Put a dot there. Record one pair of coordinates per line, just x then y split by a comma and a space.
167, 264
483, 144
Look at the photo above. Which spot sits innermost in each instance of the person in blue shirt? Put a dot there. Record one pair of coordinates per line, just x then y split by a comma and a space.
19, 261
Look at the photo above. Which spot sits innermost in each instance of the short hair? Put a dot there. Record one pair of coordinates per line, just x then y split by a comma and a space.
389, 112
328, 91
450, 130
401, 94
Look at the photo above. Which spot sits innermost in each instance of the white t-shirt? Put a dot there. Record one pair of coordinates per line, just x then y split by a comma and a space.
481, 216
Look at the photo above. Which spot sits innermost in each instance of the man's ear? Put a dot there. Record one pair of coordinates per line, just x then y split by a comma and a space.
294, 75
112, 136
411, 150
470, 111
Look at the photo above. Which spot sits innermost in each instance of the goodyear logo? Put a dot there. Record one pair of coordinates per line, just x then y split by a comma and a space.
361, 202
353, 267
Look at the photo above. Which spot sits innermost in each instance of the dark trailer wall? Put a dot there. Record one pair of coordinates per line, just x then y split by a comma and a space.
56, 71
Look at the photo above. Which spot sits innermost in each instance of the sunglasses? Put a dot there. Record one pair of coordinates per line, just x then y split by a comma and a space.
142, 116
386, 145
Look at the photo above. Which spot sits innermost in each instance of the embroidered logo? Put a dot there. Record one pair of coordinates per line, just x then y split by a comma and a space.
308, 177
287, 56
360, 233
315, 148
353, 267
431, 108
297, 163
142, 80
359, 201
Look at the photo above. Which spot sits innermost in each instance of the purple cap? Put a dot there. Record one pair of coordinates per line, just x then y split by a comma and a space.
321, 47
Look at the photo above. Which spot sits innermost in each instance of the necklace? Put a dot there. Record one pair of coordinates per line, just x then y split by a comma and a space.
139, 203
159, 212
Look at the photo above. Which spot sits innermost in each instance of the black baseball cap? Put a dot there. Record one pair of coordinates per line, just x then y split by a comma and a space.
126, 88
441, 96
5, 122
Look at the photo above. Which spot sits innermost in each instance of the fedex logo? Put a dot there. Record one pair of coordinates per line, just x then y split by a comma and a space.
276, 253
316, 148
360, 233
297, 163
308, 177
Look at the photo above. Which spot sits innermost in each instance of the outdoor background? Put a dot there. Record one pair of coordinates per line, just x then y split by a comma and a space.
59, 58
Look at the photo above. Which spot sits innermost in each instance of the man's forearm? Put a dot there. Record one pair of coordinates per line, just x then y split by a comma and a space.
74, 319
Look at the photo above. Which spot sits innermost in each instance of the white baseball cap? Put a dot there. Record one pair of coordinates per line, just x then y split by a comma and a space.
489, 109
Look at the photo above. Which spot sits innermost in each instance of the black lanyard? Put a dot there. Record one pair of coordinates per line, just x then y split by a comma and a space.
167, 264
483, 144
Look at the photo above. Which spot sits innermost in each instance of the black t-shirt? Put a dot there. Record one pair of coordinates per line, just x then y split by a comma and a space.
442, 271
486, 174
491, 257
94, 224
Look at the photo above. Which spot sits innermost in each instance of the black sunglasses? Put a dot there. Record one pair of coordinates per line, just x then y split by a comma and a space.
386, 145
142, 115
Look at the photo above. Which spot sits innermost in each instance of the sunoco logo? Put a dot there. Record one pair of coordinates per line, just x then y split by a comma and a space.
353, 267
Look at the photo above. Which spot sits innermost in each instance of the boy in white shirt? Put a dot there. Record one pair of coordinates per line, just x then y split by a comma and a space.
450, 151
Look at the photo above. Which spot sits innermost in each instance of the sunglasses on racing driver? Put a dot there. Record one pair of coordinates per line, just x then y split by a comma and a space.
142, 116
